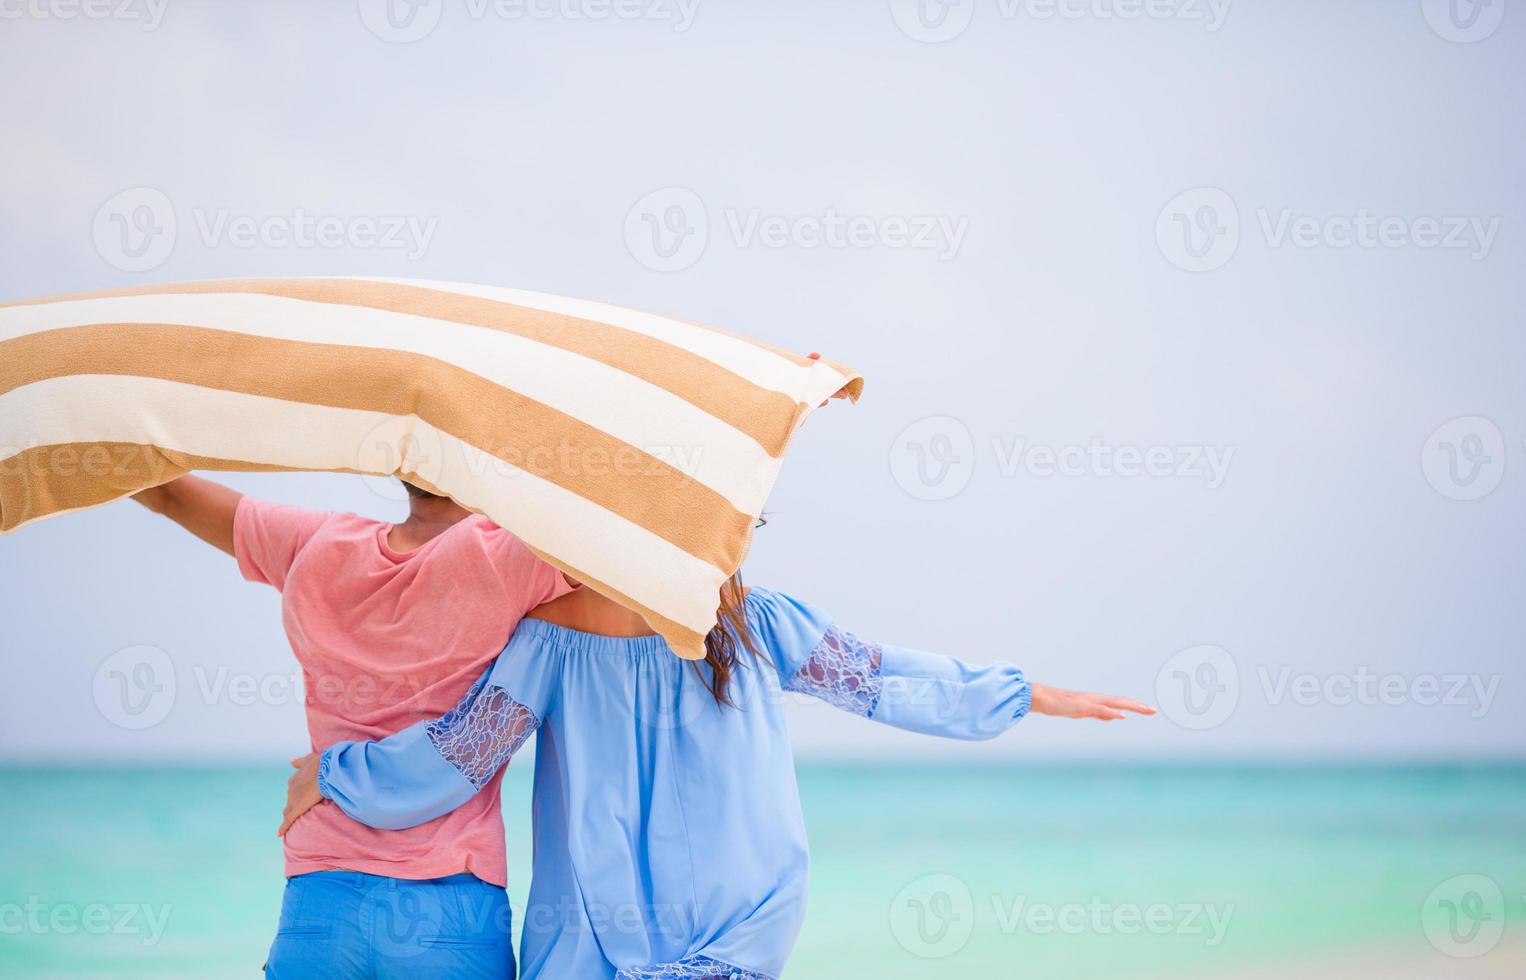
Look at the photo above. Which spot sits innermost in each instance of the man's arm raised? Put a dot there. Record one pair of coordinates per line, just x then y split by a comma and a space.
200, 506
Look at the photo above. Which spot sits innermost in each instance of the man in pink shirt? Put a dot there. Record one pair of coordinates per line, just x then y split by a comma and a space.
391, 624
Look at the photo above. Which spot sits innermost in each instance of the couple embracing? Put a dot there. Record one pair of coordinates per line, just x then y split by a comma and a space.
669, 841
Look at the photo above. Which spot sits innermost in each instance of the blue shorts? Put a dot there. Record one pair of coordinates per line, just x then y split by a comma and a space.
338, 925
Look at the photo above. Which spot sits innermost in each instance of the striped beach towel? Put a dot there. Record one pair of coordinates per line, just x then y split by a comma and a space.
633, 451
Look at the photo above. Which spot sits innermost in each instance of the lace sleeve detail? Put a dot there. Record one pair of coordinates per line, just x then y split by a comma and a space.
843, 671
479, 735
691, 968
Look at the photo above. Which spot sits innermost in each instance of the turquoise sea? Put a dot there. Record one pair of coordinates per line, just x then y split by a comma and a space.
920, 870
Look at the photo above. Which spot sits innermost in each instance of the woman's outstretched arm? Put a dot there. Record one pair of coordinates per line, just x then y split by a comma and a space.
910, 689
422, 772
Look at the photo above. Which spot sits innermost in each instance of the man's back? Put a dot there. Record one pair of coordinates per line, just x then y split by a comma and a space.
386, 639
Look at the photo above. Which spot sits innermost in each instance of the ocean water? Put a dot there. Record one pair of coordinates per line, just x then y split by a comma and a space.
918, 870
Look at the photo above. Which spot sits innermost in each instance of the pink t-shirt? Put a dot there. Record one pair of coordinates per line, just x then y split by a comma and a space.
385, 640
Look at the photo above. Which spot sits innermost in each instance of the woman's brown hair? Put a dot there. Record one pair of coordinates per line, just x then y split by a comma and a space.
724, 643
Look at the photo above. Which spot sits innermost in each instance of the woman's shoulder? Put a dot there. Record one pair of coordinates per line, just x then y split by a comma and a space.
784, 624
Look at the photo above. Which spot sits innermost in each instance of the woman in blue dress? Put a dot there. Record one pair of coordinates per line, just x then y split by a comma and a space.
669, 841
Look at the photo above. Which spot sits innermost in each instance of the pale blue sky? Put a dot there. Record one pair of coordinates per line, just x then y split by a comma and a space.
993, 229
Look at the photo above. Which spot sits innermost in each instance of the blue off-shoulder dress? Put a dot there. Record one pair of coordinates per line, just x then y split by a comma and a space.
669, 841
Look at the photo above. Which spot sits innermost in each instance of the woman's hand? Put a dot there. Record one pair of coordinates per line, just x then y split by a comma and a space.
1079, 704
301, 790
